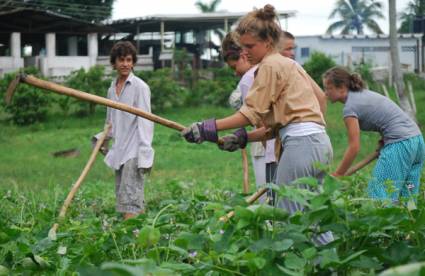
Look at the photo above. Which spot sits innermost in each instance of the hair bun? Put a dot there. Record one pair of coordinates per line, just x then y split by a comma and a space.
267, 13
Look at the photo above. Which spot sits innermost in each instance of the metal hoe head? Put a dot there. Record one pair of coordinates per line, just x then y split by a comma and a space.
11, 89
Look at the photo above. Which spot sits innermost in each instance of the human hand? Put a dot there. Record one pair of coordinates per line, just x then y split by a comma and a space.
201, 131
235, 141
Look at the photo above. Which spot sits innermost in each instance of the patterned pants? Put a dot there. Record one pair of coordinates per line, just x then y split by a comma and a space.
129, 188
398, 170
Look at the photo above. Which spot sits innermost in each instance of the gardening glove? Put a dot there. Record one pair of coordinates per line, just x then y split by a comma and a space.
104, 148
201, 131
235, 141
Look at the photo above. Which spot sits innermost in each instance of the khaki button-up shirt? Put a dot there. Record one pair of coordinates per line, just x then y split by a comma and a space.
281, 94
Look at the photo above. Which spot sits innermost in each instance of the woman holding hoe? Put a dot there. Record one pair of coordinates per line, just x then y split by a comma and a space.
402, 154
280, 103
263, 159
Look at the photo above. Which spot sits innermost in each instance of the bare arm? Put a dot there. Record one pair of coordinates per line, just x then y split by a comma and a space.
236, 120
353, 131
258, 134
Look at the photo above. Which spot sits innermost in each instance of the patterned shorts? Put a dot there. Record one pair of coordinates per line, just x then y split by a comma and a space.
398, 170
129, 188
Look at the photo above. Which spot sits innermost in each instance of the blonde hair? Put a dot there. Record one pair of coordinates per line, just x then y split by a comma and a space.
339, 76
261, 23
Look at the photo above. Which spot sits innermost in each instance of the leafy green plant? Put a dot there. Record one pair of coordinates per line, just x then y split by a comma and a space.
215, 91
29, 104
317, 64
92, 81
165, 91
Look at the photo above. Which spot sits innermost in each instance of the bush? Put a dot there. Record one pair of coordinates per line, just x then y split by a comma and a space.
29, 104
93, 81
215, 91
418, 83
365, 72
317, 65
165, 91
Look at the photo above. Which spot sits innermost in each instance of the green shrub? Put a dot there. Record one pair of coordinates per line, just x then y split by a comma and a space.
215, 91
317, 64
418, 83
165, 91
29, 104
93, 81
364, 69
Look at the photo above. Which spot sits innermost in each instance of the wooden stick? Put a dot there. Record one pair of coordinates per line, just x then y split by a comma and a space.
250, 200
362, 163
245, 171
352, 170
51, 86
76, 186
60, 89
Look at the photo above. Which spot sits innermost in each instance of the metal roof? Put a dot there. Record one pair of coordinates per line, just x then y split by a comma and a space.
33, 20
370, 36
182, 22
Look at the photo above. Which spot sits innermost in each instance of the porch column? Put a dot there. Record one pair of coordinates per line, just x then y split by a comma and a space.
226, 25
92, 48
15, 51
51, 45
420, 56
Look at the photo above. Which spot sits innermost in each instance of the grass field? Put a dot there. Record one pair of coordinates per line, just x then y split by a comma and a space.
27, 162
33, 183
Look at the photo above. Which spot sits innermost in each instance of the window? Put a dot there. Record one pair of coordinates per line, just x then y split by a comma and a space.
305, 52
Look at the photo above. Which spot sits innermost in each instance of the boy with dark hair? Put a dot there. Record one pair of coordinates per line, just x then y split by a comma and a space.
131, 154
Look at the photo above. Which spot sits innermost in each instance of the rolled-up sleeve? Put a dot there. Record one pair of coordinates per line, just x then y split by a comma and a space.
261, 96
145, 129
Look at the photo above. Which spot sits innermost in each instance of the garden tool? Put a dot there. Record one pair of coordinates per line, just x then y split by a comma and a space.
350, 171
235, 101
77, 184
60, 89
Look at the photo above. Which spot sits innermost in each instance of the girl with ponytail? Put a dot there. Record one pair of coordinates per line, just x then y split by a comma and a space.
281, 104
402, 154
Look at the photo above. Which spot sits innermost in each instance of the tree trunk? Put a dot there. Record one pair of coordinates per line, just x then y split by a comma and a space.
396, 69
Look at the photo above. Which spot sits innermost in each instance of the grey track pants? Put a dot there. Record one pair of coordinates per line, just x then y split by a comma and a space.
300, 153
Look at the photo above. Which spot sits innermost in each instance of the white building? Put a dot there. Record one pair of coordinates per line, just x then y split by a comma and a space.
348, 50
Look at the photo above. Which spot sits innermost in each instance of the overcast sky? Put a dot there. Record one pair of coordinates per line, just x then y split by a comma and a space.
311, 18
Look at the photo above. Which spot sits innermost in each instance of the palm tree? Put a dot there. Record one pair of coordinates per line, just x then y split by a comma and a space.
207, 8
414, 9
354, 15
212, 7
395, 61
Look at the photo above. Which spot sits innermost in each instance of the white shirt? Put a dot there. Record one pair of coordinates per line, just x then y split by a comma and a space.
257, 148
132, 134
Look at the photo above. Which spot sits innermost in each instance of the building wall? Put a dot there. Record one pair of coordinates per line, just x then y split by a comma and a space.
347, 52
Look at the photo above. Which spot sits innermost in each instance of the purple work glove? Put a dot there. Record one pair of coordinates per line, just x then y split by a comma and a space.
235, 141
201, 131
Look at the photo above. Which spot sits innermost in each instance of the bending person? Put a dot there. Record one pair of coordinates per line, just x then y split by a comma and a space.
402, 157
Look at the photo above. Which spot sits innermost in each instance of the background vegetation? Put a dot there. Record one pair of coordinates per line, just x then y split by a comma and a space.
189, 188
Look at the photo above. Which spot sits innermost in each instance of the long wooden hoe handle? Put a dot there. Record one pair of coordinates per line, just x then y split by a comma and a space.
57, 88
245, 171
80, 179
60, 89
351, 171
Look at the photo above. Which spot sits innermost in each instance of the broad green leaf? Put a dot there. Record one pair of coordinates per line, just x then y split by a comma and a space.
149, 236
328, 257
289, 272
4, 271
294, 262
282, 245
353, 256
415, 269
309, 253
